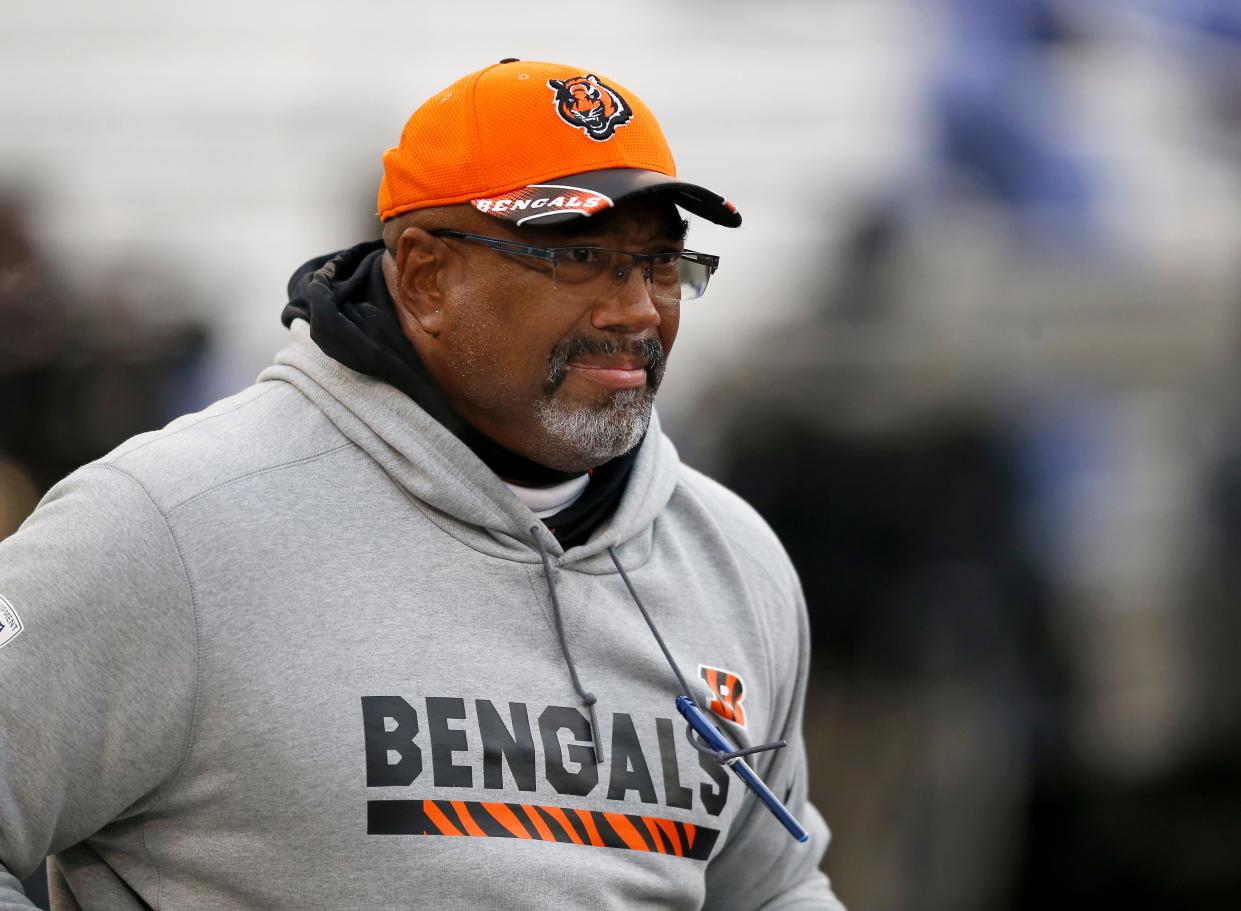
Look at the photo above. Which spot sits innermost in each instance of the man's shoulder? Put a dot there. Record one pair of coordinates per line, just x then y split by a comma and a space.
736, 520
261, 428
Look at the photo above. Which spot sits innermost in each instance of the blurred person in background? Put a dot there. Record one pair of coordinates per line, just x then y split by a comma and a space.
78, 375
37, 322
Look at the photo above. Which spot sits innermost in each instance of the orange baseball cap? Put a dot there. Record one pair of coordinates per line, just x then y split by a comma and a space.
536, 143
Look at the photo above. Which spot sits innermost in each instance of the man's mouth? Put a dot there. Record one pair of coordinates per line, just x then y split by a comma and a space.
613, 364
615, 371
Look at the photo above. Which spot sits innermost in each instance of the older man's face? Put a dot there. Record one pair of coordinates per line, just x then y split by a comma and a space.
564, 375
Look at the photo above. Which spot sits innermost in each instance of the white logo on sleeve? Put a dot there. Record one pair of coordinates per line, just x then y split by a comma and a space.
10, 623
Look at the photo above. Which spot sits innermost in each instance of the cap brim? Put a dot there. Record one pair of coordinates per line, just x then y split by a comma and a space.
593, 192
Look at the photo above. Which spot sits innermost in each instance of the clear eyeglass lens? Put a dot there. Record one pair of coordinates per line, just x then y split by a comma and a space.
592, 271
692, 277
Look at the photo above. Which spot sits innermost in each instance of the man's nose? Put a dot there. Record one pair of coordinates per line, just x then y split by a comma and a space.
632, 307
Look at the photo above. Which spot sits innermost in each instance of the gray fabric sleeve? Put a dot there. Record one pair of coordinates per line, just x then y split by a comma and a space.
11, 896
762, 866
97, 690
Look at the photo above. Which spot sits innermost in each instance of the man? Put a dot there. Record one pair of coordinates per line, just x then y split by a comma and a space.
381, 630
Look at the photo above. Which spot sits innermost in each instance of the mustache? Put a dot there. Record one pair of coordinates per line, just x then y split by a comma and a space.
649, 348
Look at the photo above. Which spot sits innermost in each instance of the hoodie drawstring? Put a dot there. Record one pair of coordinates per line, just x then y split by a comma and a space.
588, 699
633, 593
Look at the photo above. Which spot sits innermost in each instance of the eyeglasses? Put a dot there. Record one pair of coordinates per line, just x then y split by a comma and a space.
596, 273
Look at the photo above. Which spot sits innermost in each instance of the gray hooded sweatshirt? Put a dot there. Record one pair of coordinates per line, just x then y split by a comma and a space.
298, 651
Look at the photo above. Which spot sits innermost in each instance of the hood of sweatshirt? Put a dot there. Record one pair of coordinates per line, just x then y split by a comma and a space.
451, 484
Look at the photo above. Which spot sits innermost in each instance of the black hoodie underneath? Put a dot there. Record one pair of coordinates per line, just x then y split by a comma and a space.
345, 299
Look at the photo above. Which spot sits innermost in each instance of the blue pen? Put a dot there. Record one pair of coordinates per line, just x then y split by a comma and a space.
715, 739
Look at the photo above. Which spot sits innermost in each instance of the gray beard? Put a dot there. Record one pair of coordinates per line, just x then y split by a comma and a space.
598, 435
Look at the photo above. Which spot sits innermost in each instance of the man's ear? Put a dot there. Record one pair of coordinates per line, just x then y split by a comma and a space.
419, 260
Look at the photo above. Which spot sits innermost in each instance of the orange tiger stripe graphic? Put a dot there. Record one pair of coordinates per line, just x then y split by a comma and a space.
471, 827
504, 814
558, 814
670, 832
592, 831
539, 826
656, 839
624, 828
553, 825
436, 815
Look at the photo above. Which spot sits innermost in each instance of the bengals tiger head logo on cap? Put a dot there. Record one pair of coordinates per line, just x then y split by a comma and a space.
590, 105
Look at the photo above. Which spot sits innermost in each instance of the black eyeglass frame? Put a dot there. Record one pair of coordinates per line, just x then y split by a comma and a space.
552, 254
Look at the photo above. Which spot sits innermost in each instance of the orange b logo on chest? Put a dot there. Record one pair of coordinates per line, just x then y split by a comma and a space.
727, 691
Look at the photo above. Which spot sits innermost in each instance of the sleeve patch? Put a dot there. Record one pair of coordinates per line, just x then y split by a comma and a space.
10, 623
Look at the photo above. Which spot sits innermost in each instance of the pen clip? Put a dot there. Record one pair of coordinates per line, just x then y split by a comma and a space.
725, 757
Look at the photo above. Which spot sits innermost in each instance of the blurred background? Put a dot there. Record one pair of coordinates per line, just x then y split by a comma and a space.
973, 355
